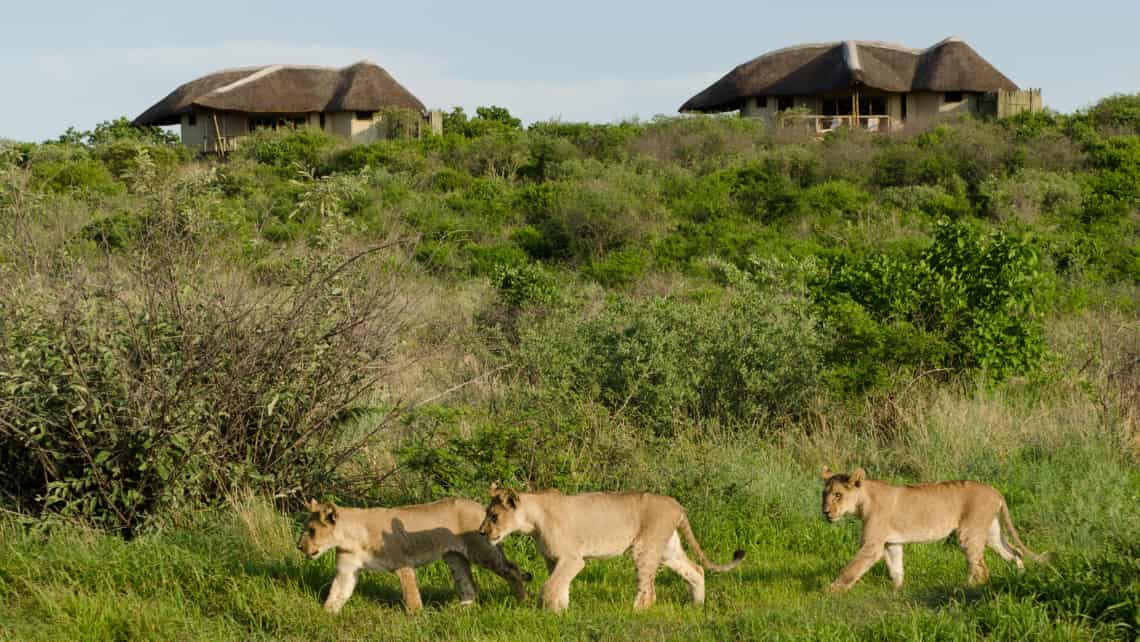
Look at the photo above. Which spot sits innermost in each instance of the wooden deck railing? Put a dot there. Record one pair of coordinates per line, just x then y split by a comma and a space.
821, 124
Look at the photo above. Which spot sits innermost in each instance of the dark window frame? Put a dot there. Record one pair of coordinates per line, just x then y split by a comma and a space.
364, 115
953, 97
784, 103
191, 119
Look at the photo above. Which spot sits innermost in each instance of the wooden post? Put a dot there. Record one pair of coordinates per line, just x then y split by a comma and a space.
217, 134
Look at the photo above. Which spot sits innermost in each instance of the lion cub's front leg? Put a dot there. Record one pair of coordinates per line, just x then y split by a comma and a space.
556, 591
868, 555
343, 585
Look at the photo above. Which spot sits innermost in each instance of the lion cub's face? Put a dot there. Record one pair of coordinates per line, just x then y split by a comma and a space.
841, 493
502, 517
320, 532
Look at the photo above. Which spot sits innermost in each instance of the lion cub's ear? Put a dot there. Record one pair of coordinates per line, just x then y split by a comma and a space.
826, 473
512, 498
857, 477
314, 506
494, 486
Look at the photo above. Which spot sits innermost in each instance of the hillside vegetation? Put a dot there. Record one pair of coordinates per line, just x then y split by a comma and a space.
702, 307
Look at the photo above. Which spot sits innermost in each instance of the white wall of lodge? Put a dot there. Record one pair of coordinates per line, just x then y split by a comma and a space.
902, 108
201, 129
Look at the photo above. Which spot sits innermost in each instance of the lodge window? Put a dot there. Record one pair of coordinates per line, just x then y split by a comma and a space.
277, 122
903, 105
953, 96
364, 115
762, 102
191, 119
835, 106
322, 118
784, 103
872, 106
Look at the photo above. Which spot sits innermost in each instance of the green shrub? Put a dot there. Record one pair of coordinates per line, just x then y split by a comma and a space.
523, 283
967, 302
586, 217
621, 267
1119, 112
83, 176
932, 200
1114, 188
1028, 194
118, 409
606, 142
744, 361
836, 198
764, 191
289, 150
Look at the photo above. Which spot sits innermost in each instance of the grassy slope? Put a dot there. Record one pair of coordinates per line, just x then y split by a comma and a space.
235, 574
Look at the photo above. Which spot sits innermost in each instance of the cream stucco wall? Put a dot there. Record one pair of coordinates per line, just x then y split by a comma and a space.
203, 133
924, 107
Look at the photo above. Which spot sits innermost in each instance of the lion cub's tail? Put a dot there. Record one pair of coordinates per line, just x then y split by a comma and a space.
1007, 524
691, 539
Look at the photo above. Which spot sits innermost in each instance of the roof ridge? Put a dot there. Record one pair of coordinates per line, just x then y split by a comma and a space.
261, 73
851, 55
946, 40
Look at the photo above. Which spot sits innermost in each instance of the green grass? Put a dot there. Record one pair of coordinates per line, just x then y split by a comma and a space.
235, 573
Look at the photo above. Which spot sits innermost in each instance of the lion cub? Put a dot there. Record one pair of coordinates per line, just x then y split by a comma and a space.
569, 529
896, 515
399, 540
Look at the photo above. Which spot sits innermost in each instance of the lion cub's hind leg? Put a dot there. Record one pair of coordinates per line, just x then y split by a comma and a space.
461, 571
410, 588
894, 559
973, 544
1000, 546
676, 559
647, 556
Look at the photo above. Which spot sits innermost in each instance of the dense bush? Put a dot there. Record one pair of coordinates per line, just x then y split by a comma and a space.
289, 149
968, 302
117, 407
745, 360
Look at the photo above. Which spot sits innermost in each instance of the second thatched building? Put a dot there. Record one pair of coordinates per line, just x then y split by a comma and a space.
868, 84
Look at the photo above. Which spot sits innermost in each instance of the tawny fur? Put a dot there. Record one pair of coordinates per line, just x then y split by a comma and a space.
400, 539
896, 515
570, 529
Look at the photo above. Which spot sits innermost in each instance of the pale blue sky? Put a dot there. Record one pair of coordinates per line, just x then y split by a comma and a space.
75, 63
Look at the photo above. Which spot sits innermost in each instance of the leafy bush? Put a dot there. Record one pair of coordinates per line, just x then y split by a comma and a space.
1114, 189
743, 361
967, 302
586, 217
1030, 193
116, 408
931, 200
304, 148
83, 176
1120, 112
836, 198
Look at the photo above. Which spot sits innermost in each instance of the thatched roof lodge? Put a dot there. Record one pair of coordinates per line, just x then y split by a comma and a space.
875, 85
214, 111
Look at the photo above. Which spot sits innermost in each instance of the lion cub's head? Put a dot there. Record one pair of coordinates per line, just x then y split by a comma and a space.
320, 531
841, 493
502, 517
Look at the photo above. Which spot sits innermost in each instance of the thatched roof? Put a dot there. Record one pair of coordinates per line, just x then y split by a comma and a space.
807, 70
284, 89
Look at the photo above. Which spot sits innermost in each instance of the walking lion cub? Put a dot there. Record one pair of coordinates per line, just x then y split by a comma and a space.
400, 539
896, 515
569, 529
